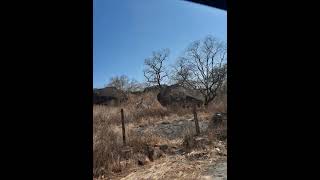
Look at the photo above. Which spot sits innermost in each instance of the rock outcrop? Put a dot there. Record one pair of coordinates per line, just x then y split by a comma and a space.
177, 95
108, 96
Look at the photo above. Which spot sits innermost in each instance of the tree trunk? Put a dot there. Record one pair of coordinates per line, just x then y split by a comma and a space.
206, 102
159, 84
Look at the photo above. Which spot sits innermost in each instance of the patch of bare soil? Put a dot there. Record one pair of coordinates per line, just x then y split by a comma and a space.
172, 129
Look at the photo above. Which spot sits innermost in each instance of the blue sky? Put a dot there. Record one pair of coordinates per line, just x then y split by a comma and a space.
125, 32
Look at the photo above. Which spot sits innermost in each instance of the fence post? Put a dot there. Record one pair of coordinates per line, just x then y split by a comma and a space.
123, 128
196, 119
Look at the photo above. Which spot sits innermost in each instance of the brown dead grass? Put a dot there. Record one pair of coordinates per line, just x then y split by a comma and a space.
107, 134
107, 146
139, 109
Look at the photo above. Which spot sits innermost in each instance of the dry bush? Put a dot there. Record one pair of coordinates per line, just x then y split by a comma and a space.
106, 145
218, 131
145, 105
219, 105
221, 132
105, 114
107, 141
138, 142
180, 111
214, 133
188, 138
188, 142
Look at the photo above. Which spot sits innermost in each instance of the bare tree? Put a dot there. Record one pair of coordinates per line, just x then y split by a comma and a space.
120, 82
155, 71
203, 68
181, 72
134, 86
125, 84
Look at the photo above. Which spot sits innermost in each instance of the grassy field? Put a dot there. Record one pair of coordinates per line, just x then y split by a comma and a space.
140, 110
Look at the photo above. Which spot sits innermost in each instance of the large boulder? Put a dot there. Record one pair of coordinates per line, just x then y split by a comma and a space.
155, 88
177, 95
108, 96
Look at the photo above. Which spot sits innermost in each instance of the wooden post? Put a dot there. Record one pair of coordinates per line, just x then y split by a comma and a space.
196, 119
123, 128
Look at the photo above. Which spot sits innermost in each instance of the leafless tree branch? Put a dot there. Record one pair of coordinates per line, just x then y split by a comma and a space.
203, 67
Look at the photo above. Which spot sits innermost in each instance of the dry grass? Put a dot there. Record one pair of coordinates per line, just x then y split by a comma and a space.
107, 135
220, 133
107, 146
139, 109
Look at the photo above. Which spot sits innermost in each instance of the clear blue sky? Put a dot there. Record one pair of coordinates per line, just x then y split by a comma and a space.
125, 32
